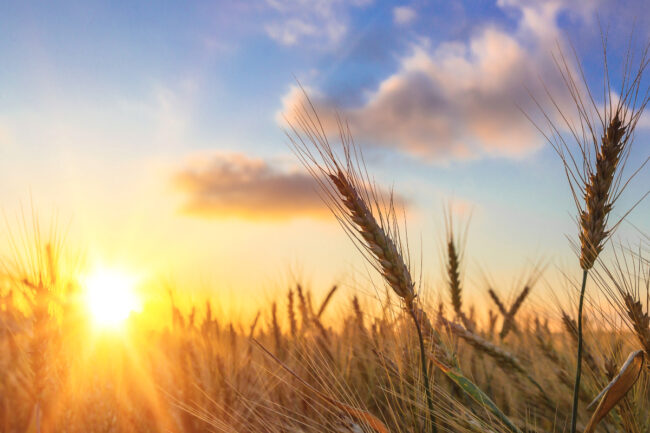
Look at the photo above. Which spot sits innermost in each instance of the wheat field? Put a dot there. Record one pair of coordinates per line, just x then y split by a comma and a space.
411, 359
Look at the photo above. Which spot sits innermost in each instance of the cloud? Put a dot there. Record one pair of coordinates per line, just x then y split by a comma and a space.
320, 21
235, 185
403, 15
463, 99
644, 120
290, 31
226, 185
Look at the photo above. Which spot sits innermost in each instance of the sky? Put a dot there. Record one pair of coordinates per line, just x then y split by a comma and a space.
154, 132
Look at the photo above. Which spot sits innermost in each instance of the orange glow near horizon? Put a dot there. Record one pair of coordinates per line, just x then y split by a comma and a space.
110, 297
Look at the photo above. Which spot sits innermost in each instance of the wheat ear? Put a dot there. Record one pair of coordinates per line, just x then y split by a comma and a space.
604, 137
509, 320
640, 321
367, 218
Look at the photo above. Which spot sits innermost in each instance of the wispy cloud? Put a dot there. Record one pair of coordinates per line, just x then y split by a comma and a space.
319, 21
403, 15
463, 99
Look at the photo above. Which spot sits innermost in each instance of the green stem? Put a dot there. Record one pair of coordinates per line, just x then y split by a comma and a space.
425, 373
576, 387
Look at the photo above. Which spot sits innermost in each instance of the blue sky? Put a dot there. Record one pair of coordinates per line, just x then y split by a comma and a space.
107, 108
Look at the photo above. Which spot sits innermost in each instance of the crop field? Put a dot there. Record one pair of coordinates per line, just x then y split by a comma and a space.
397, 346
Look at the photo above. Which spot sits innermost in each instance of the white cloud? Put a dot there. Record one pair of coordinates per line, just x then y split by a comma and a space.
291, 31
463, 99
296, 21
403, 15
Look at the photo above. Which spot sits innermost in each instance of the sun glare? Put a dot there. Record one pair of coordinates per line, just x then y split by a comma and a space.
110, 297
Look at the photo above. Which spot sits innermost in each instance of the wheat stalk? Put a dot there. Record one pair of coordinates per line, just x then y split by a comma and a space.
277, 332
572, 329
604, 137
640, 321
453, 275
454, 256
497, 302
624, 283
367, 218
505, 360
509, 321
326, 301
387, 254
291, 313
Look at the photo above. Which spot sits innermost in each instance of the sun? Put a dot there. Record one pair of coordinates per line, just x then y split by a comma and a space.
110, 297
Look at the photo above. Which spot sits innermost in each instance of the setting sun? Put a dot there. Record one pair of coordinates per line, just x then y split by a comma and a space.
110, 297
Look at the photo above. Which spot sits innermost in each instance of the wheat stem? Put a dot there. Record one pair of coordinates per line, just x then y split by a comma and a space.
576, 386
425, 372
